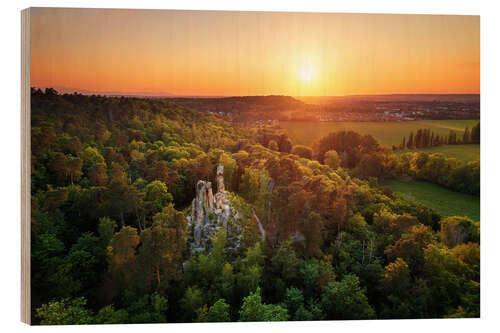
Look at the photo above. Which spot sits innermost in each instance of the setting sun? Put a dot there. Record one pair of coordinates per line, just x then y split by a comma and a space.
307, 73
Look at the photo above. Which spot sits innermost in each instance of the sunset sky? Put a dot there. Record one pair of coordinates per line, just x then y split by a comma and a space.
206, 53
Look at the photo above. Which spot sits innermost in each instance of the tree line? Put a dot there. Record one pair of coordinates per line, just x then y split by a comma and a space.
426, 138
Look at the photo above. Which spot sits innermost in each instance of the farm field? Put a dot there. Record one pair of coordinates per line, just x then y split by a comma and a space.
443, 201
387, 133
466, 153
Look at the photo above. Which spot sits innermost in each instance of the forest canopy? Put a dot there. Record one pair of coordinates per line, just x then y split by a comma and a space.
113, 182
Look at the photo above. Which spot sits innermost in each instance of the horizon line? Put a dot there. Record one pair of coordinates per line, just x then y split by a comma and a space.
64, 90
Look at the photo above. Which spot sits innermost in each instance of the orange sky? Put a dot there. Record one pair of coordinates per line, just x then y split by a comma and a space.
253, 53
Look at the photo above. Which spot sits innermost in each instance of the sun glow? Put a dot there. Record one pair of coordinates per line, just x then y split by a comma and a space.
307, 73
151, 52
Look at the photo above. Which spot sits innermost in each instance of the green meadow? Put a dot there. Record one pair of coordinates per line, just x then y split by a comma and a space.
387, 133
441, 200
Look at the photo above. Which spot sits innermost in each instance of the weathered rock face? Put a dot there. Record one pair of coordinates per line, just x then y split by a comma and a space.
220, 179
203, 205
209, 213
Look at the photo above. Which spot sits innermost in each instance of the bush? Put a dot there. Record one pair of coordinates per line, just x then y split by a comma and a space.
302, 151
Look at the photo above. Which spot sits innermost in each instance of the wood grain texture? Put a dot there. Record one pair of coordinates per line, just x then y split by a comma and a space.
25, 169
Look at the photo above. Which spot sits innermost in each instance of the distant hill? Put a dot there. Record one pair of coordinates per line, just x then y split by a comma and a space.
240, 104
253, 100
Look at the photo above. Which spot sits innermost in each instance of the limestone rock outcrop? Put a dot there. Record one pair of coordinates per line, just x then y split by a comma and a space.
211, 212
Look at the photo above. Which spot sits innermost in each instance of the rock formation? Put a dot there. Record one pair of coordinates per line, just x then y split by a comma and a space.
220, 179
211, 212
203, 205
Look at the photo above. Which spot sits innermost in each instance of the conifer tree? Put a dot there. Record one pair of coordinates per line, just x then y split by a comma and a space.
411, 144
475, 134
466, 137
418, 138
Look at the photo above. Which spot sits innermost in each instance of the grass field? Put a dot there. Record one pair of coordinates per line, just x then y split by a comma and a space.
460, 152
443, 201
387, 133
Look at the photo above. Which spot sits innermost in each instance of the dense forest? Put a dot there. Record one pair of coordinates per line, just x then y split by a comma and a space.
310, 234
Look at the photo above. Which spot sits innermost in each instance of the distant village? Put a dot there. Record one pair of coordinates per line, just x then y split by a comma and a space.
397, 111
273, 109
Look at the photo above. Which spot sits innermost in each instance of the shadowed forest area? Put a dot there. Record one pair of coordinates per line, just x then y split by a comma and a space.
123, 231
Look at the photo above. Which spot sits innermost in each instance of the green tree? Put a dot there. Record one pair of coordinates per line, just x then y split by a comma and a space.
65, 312
410, 247
302, 151
255, 256
162, 244
370, 165
108, 315
157, 195
346, 300
84, 264
117, 174
475, 134
411, 142
313, 230
254, 310
469, 255
149, 308
106, 230
332, 159
219, 312
449, 286
294, 301
91, 158
396, 285
285, 269
121, 199
456, 230
58, 166
466, 136
121, 255
191, 302
74, 168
